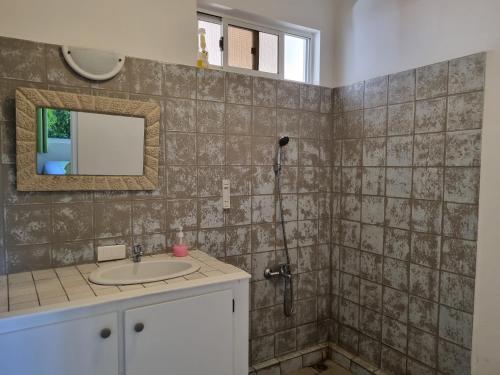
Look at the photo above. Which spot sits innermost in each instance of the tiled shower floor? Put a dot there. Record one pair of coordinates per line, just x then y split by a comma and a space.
333, 369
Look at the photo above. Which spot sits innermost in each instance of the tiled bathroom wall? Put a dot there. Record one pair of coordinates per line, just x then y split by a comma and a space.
405, 207
215, 125
394, 160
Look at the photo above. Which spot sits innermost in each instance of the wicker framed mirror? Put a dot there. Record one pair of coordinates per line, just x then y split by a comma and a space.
67, 141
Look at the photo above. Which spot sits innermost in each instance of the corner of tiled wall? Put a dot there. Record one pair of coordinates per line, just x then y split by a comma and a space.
406, 183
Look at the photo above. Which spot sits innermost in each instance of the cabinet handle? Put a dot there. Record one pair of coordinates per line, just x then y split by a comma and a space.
105, 333
138, 327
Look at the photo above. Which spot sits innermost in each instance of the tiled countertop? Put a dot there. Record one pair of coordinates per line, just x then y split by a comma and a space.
30, 290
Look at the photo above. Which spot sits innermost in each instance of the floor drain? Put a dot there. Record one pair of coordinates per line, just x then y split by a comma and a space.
320, 367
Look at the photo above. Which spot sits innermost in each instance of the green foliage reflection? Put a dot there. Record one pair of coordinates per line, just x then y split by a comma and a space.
58, 121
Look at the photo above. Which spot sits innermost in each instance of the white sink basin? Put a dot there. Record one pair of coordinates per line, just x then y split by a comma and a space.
145, 271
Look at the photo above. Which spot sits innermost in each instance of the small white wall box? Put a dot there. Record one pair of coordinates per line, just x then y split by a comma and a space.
113, 252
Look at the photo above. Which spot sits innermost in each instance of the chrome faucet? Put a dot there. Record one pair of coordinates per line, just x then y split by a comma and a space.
137, 253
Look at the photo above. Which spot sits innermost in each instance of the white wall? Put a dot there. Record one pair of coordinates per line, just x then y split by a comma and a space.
162, 30
155, 29
109, 145
486, 333
374, 38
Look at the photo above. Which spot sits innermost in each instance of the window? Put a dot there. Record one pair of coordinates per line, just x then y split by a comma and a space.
268, 53
238, 46
213, 28
296, 55
252, 49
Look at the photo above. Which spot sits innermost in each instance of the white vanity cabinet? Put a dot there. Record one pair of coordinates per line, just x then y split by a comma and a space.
181, 337
191, 330
77, 347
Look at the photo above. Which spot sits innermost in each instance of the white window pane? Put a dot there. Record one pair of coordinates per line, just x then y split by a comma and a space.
213, 35
268, 52
295, 58
239, 47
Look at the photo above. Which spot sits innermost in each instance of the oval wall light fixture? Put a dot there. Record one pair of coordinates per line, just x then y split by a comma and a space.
93, 64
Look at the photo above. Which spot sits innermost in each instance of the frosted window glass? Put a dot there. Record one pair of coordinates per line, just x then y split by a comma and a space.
268, 52
240, 43
213, 35
295, 58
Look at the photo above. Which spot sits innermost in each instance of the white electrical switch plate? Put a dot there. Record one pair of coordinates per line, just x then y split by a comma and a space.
226, 194
111, 252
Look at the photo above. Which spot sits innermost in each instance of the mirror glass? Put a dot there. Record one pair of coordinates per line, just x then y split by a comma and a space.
83, 143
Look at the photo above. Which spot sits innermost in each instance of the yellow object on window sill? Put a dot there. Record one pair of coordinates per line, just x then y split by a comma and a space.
202, 61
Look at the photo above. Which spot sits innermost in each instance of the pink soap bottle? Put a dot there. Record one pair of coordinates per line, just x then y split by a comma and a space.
180, 249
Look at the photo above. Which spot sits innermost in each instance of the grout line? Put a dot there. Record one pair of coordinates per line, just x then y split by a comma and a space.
439, 280
36, 289
382, 287
411, 202
361, 167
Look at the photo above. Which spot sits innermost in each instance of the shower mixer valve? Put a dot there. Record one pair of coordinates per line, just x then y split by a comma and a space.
283, 271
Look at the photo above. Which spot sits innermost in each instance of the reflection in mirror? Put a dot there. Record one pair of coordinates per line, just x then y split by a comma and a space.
82, 143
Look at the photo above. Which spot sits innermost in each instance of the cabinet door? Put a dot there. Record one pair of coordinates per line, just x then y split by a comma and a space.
189, 336
73, 347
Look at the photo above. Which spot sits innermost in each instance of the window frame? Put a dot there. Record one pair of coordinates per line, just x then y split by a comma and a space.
204, 16
225, 21
309, 56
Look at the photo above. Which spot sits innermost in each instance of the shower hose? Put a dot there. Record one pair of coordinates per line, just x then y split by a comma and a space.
285, 270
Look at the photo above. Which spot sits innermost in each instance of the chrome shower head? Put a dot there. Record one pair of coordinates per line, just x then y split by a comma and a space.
283, 141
